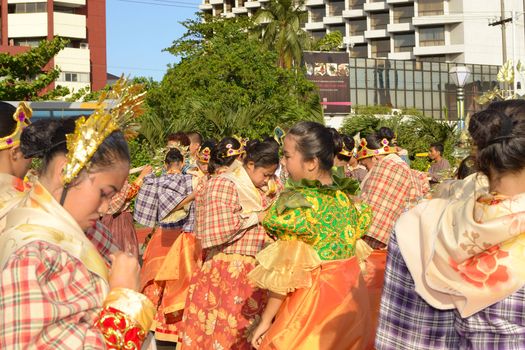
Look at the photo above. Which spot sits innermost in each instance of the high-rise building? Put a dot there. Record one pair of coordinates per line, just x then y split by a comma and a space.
455, 31
24, 23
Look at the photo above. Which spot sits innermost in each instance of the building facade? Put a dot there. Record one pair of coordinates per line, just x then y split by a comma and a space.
24, 23
400, 51
455, 31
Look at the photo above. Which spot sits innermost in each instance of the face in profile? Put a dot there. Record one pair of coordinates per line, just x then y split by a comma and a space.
260, 175
293, 160
87, 200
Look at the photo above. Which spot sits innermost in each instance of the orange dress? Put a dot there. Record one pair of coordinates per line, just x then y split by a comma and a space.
314, 264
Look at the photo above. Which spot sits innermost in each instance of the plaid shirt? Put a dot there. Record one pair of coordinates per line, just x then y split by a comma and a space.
218, 220
158, 196
407, 322
49, 300
389, 188
122, 199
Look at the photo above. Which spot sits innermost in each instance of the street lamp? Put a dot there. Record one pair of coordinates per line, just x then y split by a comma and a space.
459, 76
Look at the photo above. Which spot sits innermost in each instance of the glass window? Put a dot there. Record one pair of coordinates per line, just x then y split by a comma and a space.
410, 99
336, 7
317, 14
356, 4
379, 20
409, 80
318, 34
404, 42
400, 98
28, 7
361, 97
359, 62
360, 51
338, 28
31, 42
430, 7
418, 95
427, 83
361, 78
380, 48
432, 36
418, 80
358, 26
403, 14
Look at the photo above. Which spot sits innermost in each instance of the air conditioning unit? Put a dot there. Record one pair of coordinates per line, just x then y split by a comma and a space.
84, 45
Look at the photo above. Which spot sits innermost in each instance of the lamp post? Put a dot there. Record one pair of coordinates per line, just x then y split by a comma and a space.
459, 76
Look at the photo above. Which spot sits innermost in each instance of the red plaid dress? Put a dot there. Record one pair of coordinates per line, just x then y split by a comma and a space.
389, 188
222, 304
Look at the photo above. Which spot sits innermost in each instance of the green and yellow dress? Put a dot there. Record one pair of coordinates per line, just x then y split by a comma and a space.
314, 263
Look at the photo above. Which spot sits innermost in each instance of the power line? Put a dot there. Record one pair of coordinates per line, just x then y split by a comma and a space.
160, 4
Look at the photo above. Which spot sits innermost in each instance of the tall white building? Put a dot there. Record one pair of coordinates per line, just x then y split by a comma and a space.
427, 30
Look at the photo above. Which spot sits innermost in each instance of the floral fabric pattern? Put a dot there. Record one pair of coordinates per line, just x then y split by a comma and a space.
331, 225
222, 306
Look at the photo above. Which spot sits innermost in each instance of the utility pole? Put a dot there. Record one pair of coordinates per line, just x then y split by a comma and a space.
501, 23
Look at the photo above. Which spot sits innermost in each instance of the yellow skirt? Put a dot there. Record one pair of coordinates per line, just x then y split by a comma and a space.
333, 314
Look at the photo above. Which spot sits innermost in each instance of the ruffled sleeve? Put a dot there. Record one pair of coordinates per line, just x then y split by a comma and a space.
285, 266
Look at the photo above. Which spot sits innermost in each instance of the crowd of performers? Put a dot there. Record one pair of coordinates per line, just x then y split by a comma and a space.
308, 240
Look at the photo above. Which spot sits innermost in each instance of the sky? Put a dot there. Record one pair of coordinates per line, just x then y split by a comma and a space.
138, 30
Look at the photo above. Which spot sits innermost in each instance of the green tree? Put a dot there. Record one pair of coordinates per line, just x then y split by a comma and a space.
23, 76
330, 42
226, 78
279, 27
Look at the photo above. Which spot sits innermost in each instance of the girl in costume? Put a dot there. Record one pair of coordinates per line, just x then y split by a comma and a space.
222, 304
454, 277
317, 294
389, 187
164, 203
57, 290
119, 220
182, 260
13, 164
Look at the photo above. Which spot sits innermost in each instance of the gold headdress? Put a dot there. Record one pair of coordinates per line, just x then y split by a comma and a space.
204, 154
278, 135
90, 132
22, 115
365, 152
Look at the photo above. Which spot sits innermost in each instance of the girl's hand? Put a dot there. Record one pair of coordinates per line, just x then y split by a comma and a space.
146, 171
259, 333
124, 272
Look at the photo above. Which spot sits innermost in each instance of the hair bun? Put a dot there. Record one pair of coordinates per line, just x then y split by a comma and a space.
40, 137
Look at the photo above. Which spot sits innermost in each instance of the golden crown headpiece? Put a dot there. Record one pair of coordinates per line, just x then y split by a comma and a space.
21, 116
346, 152
90, 132
279, 135
232, 151
204, 154
365, 152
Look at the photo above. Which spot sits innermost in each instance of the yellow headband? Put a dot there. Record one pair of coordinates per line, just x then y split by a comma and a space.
365, 152
22, 115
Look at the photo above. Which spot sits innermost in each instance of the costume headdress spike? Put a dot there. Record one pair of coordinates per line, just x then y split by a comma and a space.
278, 135
90, 132
22, 116
365, 152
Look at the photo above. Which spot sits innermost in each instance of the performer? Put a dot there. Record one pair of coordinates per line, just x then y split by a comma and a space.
389, 187
13, 164
119, 220
454, 276
317, 294
165, 204
49, 267
222, 304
